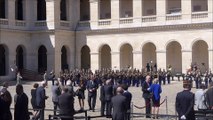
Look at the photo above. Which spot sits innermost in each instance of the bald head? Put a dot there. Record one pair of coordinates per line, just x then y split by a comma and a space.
148, 78
119, 90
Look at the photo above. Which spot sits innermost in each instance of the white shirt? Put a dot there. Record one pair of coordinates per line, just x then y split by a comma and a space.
200, 99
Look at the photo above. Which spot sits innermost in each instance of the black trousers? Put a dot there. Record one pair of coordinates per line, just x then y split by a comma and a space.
108, 108
92, 101
102, 107
168, 79
55, 106
148, 107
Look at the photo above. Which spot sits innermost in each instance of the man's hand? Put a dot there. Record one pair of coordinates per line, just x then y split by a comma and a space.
148, 88
183, 117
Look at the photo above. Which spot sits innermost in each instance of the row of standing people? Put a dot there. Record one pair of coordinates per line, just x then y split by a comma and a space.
186, 101
20, 104
130, 77
196, 75
109, 96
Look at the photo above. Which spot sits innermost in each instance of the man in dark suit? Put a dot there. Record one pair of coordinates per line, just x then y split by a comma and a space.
40, 99
108, 94
52, 77
92, 87
102, 98
185, 103
55, 94
128, 96
66, 104
147, 96
209, 96
21, 104
119, 105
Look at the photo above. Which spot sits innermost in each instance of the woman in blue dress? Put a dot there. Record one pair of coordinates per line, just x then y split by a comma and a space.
156, 90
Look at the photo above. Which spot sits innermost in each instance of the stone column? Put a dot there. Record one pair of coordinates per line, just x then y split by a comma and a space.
57, 61
57, 13
186, 8
137, 60
24, 9
50, 14
11, 13
31, 12
210, 9
74, 13
10, 63
115, 62
31, 58
186, 59
161, 59
137, 11
115, 13
78, 59
94, 10
161, 11
94, 61
210, 59
51, 61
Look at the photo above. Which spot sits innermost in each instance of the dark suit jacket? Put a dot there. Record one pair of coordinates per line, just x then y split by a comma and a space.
55, 93
92, 86
119, 105
102, 95
128, 96
146, 93
185, 104
33, 98
66, 104
21, 108
209, 97
108, 92
40, 97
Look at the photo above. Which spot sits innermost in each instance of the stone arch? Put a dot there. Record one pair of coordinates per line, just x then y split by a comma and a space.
20, 56
85, 57
42, 59
126, 56
3, 60
64, 58
200, 55
149, 58
105, 56
174, 56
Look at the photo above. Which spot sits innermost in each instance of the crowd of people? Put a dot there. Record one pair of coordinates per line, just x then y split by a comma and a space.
114, 96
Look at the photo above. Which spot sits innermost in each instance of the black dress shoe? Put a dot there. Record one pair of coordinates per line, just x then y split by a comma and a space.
108, 116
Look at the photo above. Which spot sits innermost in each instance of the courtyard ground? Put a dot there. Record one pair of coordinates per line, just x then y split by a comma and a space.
168, 91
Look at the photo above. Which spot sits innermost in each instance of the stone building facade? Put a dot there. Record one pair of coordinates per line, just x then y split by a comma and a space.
50, 35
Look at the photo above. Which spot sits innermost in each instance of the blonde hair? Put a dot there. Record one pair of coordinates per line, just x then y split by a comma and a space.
155, 81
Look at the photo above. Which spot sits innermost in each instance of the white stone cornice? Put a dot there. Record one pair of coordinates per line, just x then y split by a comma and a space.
28, 31
49, 0
137, 52
160, 51
114, 53
186, 50
94, 53
93, 1
180, 27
